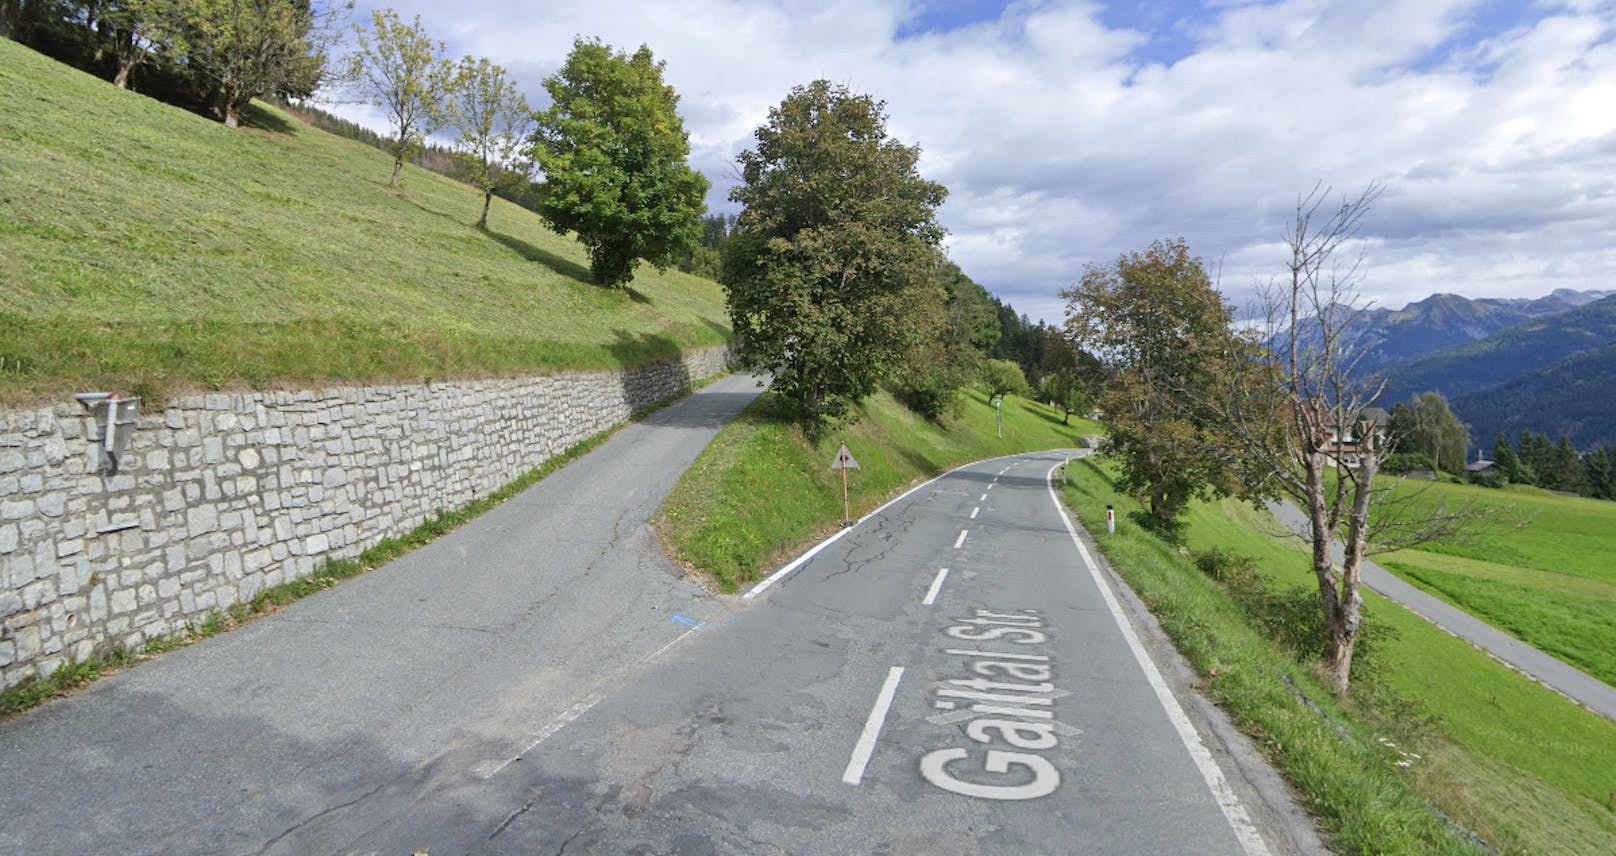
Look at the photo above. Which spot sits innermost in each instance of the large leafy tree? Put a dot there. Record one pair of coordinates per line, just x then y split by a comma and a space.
930, 380
1429, 428
245, 48
614, 155
401, 69
494, 121
1157, 324
831, 274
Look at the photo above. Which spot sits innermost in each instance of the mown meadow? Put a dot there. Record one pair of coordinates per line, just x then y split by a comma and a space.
1543, 568
146, 249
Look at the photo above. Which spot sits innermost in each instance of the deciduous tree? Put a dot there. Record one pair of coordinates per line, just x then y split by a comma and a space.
1156, 323
829, 275
614, 155
1003, 377
1428, 427
401, 69
246, 48
494, 121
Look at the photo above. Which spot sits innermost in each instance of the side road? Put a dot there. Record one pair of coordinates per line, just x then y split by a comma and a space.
384, 690
1575, 684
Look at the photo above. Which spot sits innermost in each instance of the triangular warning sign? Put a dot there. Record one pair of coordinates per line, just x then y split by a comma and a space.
845, 460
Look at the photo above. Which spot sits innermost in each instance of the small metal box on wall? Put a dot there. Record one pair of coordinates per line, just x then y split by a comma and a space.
114, 418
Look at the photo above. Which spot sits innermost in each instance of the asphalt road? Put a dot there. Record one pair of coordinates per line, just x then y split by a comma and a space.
1552, 672
315, 723
868, 702
542, 681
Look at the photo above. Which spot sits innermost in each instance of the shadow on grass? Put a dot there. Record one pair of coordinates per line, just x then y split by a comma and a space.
918, 461
718, 328
1050, 416
258, 117
643, 349
564, 266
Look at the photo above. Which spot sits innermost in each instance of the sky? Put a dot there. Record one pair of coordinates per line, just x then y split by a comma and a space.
1071, 132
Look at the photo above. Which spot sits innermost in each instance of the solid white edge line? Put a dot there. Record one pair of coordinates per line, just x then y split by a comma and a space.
803, 559
865, 747
961, 539
1233, 810
936, 586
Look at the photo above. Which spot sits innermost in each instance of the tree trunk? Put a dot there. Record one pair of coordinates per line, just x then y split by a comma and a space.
120, 79
398, 172
488, 198
1344, 626
232, 116
1340, 600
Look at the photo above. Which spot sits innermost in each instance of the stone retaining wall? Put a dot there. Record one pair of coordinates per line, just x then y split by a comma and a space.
223, 495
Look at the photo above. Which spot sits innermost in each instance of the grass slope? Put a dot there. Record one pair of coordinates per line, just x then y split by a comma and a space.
143, 247
1513, 762
761, 490
1543, 572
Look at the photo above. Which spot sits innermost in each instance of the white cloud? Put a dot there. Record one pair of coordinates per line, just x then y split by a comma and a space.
1060, 148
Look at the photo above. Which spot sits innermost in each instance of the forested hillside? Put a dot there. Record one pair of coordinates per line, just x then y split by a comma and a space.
1544, 375
1574, 398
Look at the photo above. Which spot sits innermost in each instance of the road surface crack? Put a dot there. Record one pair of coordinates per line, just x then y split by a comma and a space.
569, 841
511, 818
333, 809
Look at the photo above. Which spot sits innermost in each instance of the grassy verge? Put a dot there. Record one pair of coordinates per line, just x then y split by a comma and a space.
1432, 721
177, 254
72, 676
761, 490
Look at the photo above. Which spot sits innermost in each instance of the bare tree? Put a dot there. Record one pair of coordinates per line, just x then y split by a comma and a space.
1296, 416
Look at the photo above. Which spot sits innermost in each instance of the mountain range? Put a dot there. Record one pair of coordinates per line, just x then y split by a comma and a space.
1505, 365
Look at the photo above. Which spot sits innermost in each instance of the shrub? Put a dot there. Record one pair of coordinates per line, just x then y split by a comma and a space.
1407, 462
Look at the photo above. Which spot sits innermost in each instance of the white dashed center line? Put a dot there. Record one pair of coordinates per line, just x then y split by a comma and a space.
936, 586
958, 543
872, 728
974, 511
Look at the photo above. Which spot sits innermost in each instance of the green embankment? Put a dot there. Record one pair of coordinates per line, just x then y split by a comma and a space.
145, 248
1544, 570
761, 490
1514, 763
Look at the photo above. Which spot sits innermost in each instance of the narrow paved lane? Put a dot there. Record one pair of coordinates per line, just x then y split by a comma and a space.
950, 677
320, 722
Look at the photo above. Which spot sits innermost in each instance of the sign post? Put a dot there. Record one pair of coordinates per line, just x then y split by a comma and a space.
998, 414
1110, 519
844, 462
